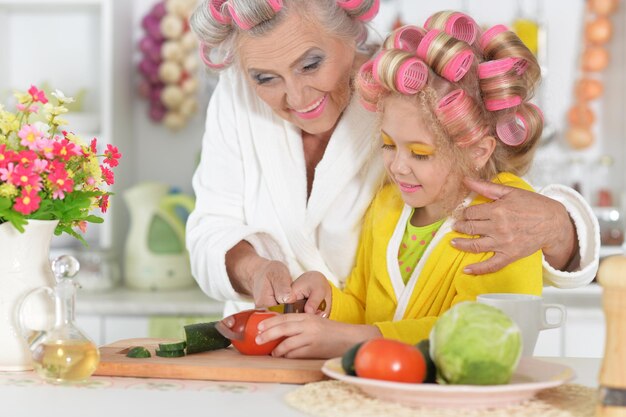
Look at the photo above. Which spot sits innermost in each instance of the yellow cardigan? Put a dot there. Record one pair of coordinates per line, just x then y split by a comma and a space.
375, 294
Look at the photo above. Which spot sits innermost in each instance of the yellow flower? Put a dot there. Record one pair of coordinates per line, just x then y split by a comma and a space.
8, 190
75, 139
92, 169
8, 122
22, 97
53, 110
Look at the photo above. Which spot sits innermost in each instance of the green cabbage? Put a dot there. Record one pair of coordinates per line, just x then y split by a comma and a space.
475, 344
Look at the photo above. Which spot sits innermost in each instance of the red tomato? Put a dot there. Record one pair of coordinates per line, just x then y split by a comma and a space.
248, 346
390, 360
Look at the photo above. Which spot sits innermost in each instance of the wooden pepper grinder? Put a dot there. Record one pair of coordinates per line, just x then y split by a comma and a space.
612, 278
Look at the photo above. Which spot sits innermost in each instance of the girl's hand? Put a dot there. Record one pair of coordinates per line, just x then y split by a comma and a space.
314, 286
311, 336
515, 225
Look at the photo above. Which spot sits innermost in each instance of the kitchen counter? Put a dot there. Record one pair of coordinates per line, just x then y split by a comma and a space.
25, 395
123, 301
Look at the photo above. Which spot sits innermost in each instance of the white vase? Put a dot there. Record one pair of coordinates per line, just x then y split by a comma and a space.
24, 266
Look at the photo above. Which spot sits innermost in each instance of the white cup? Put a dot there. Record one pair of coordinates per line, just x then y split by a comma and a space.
528, 312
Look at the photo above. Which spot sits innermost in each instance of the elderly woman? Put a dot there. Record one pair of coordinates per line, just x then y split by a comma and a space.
288, 168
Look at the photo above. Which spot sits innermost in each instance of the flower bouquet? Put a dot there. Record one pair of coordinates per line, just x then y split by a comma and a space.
47, 172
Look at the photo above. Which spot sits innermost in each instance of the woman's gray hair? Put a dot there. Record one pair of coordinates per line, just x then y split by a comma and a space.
219, 38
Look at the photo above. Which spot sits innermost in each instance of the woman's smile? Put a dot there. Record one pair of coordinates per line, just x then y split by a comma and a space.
313, 110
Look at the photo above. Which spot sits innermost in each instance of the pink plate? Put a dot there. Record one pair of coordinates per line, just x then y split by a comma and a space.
532, 375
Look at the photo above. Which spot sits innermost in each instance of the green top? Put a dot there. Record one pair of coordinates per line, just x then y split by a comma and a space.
414, 243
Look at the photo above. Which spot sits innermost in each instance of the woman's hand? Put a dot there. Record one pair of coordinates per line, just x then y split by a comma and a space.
271, 284
314, 286
311, 336
268, 282
515, 225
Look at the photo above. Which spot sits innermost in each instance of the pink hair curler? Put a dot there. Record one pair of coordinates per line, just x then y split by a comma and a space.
349, 4
503, 103
371, 13
451, 105
538, 110
215, 8
462, 27
408, 38
276, 6
368, 86
204, 52
455, 105
371, 107
491, 33
497, 67
510, 131
411, 76
457, 67
422, 48
375, 63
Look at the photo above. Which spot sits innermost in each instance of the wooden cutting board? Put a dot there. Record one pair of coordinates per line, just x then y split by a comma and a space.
218, 365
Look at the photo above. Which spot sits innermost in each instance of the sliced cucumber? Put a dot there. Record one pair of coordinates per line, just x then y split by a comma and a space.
168, 347
170, 353
138, 352
203, 336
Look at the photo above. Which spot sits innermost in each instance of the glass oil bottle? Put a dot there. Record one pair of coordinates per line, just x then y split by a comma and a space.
64, 353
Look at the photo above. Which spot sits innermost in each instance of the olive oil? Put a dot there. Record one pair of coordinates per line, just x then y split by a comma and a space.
66, 360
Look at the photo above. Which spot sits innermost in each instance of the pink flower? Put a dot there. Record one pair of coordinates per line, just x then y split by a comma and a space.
82, 225
65, 149
104, 203
6, 156
40, 165
94, 145
107, 174
46, 147
30, 109
29, 135
7, 173
25, 177
60, 181
112, 155
27, 202
37, 95
26, 157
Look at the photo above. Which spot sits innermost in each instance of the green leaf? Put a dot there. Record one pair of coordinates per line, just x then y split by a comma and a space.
5, 203
94, 219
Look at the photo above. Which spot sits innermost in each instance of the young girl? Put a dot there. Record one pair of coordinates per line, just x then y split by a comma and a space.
453, 103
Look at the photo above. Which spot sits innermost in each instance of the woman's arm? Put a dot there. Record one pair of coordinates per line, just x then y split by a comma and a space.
267, 281
518, 223
223, 248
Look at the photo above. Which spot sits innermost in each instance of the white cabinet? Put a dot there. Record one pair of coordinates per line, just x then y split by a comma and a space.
124, 314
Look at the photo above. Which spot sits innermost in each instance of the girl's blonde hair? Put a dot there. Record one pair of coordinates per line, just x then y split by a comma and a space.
219, 23
477, 84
